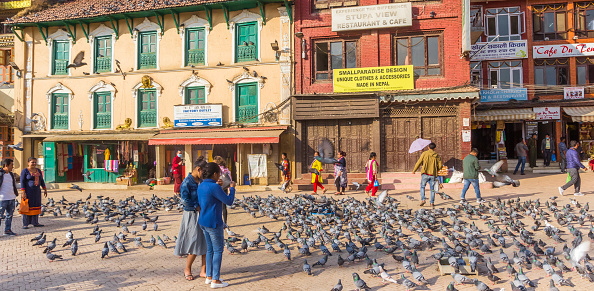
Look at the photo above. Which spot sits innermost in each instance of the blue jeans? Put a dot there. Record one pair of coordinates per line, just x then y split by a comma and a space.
521, 160
8, 207
214, 250
431, 180
475, 184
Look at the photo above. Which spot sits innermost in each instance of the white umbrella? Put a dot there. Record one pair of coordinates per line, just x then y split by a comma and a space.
418, 145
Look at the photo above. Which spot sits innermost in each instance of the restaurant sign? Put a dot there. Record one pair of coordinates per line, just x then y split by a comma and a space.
573, 93
502, 95
372, 16
563, 50
199, 115
499, 50
373, 79
547, 113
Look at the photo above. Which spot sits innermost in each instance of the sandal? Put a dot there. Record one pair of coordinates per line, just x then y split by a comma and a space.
189, 277
337, 193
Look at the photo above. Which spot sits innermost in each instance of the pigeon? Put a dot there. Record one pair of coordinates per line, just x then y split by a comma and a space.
88, 175
492, 277
359, 283
552, 286
105, 251
461, 279
418, 276
357, 185
74, 248
306, 268
408, 284
40, 241
78, 61
75, 187
160, 242
321, 262
38, 237
18, 146
152, 240
69, 234
451, 287
382, 197
52, 257
385, 277
338, 286
286, 252
481, 286
68, 242
559, 280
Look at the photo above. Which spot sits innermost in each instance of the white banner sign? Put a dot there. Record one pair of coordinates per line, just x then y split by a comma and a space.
573, 93
257, 166
466, 43
547, 113
372, 16
199, 115
563, 50
499, 50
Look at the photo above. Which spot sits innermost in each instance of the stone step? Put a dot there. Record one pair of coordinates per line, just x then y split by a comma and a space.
394, 186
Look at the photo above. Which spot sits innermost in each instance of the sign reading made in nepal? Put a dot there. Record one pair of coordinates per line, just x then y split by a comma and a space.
502, 95
499, 50
372, 16
547, 113
573, 93
563, 50
201, 115
373, 79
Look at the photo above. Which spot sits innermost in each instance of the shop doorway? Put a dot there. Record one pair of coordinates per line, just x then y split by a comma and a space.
483, 139
544, 128
513, 135
573, 131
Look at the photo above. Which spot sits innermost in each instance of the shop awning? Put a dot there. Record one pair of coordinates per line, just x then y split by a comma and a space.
585, 113
505, 114
235, 136
100, 137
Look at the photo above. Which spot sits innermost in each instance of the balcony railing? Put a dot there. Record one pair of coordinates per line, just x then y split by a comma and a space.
148, 60
246, 53
60, 121
196, 57
60, 67
247, 113
148, 119
103, 120
103, 64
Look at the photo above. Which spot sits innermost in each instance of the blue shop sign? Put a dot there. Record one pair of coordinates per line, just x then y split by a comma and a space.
202, 115
502, 95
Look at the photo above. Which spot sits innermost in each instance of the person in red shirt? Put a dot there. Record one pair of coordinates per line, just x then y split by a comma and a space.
177, 171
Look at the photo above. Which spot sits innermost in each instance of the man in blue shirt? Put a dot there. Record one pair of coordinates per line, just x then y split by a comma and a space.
573, 169
562, 158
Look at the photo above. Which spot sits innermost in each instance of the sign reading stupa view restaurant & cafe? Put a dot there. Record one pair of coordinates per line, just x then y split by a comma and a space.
372, 16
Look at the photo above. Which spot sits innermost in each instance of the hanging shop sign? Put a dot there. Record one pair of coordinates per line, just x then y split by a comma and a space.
573, 93
547, 113
499, 50
502, 95
372, 16
373, 79
202, 115
563, 50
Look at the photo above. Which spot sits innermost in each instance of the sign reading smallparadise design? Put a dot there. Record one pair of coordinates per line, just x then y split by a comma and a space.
373, 79
546, 113
499, 50
498, 95
563, 50
202, 115
372, 16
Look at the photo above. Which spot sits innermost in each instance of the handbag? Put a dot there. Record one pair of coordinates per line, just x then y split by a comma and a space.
375, 183
24, 206
568, 178
553, 158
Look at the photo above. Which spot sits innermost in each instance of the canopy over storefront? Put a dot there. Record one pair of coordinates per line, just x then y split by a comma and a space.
505, 114
580, 114
219, 136
101, 137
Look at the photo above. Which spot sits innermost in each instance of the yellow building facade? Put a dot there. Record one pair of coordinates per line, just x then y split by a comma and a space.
99, 93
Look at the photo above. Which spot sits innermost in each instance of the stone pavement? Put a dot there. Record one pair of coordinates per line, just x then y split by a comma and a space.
25, 267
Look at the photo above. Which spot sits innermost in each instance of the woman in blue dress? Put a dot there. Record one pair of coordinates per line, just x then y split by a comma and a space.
31, 185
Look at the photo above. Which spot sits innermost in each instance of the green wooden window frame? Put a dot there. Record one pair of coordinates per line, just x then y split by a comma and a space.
59, 110
195, 95
246, 42
61, 57
103, 47
195, 42
102, 110
246, 103
147, 50
147, 108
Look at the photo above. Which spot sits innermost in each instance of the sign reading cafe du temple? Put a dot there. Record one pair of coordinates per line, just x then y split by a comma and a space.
563, 50
372, 16
373, 79
201, 115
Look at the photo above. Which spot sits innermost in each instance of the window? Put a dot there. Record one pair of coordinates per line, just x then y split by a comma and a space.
422, 51
103, 54
508, 23
476, 70
147, 108
195, 95
59, 111
5, 69
551, 72
102, 108
61, 55
247, 42
505, 74
325, 4
332, 55
195, 46
584, 19
585, 72
246, 103
550, 21
147, 45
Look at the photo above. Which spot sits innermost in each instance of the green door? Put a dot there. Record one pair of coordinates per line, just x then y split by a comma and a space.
247, 42
49, 162
195, 46
147, 108
102, 108
59, 111
247, 103
61, 52
103, 54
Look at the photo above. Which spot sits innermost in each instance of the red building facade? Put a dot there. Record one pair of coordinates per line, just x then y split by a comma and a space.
385, 122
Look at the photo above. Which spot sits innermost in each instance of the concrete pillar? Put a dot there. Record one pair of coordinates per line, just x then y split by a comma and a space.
188, 158
160, 155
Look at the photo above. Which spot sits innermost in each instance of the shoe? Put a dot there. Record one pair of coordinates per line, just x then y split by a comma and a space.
462, 201
25, 227
515, 173
561, 191
523, 174
220, 285
9, 233
208, 281
578, 194
422, 203
38, 225
480, 200
432, 205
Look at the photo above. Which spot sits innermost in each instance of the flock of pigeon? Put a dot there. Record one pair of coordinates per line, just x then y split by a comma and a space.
344, 230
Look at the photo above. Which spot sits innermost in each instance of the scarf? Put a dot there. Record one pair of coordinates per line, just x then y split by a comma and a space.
36, 175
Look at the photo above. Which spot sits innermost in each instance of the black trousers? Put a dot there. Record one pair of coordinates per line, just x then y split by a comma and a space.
547, 157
